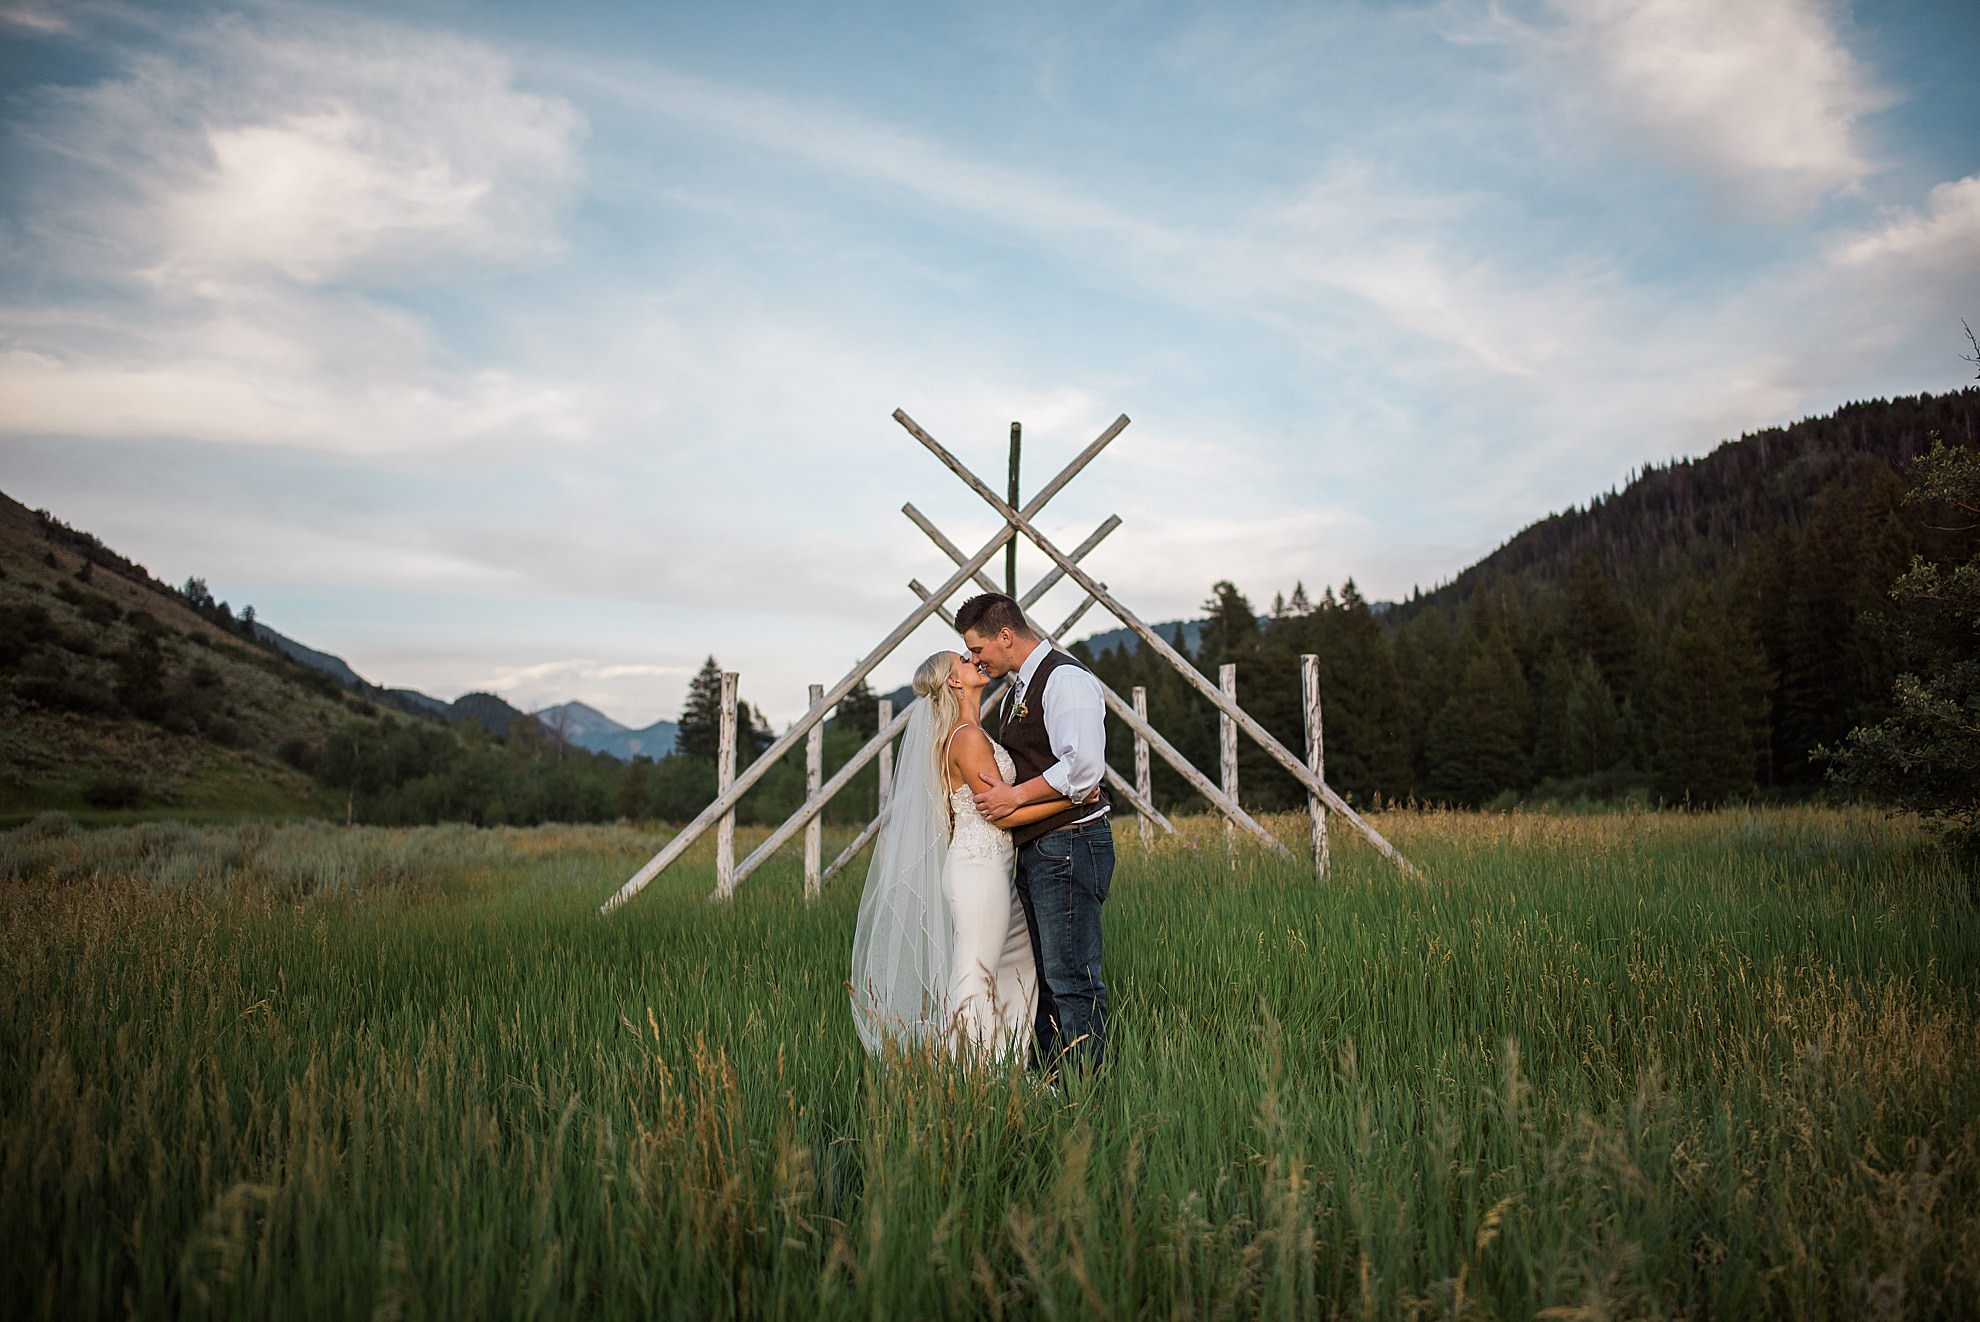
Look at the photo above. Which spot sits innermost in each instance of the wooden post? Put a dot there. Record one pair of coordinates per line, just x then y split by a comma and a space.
815, 804
886, 755
1010, 551
1161, 646
814, 771
725, 776
788, 740
1227, 751
1161, 747
1316, 759
1141, 779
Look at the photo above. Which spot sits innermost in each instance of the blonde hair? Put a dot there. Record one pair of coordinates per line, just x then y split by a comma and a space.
931, 681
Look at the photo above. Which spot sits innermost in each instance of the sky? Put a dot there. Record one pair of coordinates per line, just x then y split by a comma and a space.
548, 350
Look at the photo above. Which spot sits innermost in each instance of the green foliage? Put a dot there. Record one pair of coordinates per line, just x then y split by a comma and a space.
1711, 701
858, 712
1231, 624
114, 790
141, 676
1592, 723
700, 728
1925, 755
1477, 746
394, 772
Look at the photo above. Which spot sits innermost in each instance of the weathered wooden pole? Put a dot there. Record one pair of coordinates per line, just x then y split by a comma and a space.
1115, 781
1141, 779
814, 771
1010, 551
1161, 747
757, 769
1160, 645
886, 755
1227, 751
1316, 759
725, 776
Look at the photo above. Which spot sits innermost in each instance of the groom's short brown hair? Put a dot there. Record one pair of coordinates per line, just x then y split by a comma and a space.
986, 614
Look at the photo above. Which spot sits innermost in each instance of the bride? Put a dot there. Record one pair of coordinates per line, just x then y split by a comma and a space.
941, 953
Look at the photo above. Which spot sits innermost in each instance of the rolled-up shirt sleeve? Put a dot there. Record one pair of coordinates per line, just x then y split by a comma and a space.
1076, 723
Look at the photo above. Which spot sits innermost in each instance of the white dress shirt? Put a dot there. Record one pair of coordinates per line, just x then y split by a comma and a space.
1075, 715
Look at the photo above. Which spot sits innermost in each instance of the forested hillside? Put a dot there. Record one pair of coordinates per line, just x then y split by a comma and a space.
122, 695
1692, 637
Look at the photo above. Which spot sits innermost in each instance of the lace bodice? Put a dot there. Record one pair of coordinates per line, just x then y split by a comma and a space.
974, 836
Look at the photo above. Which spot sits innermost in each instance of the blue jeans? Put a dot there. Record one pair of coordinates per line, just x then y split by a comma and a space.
1062, 880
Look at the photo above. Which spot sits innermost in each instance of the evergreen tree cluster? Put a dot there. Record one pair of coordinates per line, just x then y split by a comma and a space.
1693, 639
1924, 754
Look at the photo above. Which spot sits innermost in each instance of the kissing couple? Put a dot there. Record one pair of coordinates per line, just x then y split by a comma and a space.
979, 930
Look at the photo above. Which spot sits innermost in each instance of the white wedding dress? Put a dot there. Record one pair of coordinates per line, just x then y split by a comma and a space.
941, 954
995, 988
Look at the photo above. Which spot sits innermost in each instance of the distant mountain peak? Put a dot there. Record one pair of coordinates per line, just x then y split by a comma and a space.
579, 718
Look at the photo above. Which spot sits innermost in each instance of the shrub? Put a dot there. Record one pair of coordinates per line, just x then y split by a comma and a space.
299, 753
47, 826
226, 733
114, 790
99, 609
59, 692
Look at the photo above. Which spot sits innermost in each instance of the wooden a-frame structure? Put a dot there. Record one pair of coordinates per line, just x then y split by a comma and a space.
969, 573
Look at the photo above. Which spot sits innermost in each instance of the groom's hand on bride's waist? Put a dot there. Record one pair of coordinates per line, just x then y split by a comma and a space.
996, 800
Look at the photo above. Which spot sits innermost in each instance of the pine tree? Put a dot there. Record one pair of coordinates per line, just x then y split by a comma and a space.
859, 712
1230, 627
1550, 698
1925, 756
1592, 723
1366, 720
1476, 748
1599, 624
700, 729
1710, 702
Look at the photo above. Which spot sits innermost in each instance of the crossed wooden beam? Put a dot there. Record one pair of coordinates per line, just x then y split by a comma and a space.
969, 569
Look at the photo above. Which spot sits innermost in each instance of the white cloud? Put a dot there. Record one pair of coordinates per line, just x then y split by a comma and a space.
36, 18
355, 153
265, 367
234, 198
1760, 96
1943, 240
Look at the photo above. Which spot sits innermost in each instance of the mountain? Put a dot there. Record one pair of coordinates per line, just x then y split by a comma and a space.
1695, 636
587, 727
118, 692
1115, 640
492, 713
1700, 518
334, 666
411, 701
575, 720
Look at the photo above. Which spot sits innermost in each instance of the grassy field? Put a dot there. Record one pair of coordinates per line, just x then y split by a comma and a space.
1642, 1065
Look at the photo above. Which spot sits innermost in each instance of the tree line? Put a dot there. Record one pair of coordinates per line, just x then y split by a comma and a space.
1706, 668
1722, 628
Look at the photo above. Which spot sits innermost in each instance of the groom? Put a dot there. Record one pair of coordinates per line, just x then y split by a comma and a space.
1053, 724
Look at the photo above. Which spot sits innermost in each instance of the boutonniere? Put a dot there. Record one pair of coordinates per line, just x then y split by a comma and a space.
1021, 711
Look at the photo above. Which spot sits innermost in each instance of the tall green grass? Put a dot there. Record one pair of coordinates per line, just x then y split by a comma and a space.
1637, 1065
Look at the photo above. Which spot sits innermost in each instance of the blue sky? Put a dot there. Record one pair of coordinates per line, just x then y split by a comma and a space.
548, 349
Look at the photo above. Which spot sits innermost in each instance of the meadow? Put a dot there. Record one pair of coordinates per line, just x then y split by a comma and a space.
1629, 1065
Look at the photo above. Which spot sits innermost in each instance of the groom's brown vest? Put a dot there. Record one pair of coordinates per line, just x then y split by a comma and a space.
1030, 747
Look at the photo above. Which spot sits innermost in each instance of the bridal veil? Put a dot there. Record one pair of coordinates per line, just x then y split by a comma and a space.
901, 945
